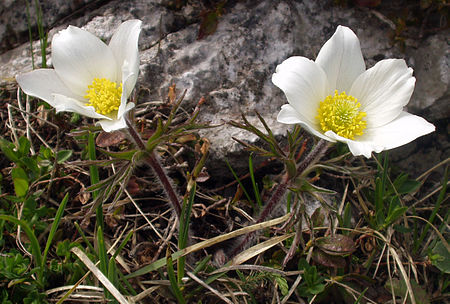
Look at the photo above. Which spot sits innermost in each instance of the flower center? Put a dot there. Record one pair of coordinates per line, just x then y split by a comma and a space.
104, 95
340, 113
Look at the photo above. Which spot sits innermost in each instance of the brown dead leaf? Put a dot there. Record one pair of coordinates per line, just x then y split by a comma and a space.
186, 138
328, 260
42, 114
172, 95
108, 139
83, 197
337, 245
203, 176
133, 187
205, 146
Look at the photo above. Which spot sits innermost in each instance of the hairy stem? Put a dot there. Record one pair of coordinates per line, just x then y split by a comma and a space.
276, 197
317, 152
314, 156
154, 162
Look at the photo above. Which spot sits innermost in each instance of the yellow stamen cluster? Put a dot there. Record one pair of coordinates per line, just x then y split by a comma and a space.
104, 95
340, 114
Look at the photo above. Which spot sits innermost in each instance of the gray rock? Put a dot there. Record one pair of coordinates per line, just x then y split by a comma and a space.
232, 67
13, 17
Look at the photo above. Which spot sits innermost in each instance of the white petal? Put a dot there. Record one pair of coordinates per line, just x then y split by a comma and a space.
125, 94
43, 83
384, 90
78, 57
357, 147
401, 131
341, 59
112, 125
129, 106
66, 104
288, 115
124, 45
404, 129
304, 84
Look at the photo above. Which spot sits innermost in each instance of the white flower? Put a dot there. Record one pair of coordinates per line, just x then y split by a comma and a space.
89, 77
337, 99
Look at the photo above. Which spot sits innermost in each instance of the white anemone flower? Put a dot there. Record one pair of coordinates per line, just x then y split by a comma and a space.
337, 99
89, 77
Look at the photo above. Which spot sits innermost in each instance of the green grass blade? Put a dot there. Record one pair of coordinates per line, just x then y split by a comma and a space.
30, 35
173, 282
85, 239
93, 170
124, 242
112, 277
202, 264
439, 201
184, 229
255, 185
380, 190
57, 220
126, 284
239, 181
42, 34
102, 255
358, 300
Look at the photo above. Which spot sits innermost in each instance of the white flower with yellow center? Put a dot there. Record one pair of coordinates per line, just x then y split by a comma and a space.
89, 77
337, 99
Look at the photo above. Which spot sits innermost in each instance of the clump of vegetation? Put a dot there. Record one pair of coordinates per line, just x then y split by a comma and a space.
375, 237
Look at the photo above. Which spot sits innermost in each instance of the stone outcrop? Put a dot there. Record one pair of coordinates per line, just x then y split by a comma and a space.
232, 66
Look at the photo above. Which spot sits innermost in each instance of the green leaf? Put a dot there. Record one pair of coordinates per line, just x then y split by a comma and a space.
408, 186
316, 289
402, 229
400, 289
20, 180
403, 185
440, 257
308, 187
394, 215
63, 155
35, 248
282, 283
126, 155
31, 164
24, 146
45, 153
8, 149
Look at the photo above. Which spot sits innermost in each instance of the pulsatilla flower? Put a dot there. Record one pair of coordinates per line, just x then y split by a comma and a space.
88, 76
337, 99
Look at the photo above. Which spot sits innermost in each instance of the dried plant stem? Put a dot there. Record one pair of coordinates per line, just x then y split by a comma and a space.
312, 157
154, 162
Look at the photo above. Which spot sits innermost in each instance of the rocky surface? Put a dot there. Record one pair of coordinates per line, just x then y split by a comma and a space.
14, 15
232, 67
